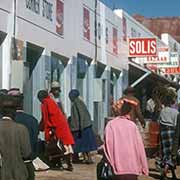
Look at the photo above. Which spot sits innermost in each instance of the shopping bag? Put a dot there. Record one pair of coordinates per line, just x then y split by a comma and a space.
104, 170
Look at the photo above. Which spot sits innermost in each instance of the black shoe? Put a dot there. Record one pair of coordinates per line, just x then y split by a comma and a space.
70, 168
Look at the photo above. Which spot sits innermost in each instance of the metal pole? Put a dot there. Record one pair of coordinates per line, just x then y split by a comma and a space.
95, 31
14, 50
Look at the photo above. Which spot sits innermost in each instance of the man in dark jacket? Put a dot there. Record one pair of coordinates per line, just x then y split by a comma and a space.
3, 92
31, 124
14, 143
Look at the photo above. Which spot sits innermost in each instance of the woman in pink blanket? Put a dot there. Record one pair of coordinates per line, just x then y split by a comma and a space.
124, 148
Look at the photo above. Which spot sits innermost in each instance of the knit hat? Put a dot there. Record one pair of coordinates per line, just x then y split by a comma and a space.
14, 92
42, 94
74, 93
55, 84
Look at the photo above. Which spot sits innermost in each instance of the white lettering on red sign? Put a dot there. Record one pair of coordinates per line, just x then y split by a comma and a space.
173, 70
142, 47
156, 59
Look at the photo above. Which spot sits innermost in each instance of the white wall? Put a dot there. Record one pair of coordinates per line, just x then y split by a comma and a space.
135, 29
170, 42
35, 28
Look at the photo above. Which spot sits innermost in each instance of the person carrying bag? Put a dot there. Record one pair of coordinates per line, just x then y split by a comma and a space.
123, 146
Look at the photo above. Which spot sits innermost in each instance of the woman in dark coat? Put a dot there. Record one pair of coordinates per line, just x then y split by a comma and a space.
81, 127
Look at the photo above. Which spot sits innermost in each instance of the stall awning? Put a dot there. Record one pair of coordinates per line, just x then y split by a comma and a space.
139, 75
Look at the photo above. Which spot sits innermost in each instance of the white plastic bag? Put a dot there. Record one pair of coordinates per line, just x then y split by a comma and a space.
39, 165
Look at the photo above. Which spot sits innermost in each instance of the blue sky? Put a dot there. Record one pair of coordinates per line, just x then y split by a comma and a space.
148, 8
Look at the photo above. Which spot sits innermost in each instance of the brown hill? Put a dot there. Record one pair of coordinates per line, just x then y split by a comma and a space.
170, 25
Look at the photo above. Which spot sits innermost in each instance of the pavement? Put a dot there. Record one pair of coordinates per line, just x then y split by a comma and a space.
88, 172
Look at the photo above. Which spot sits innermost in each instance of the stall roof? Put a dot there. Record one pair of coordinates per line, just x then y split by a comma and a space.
139, 74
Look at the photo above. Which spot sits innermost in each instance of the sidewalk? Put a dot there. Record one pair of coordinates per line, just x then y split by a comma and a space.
88, 172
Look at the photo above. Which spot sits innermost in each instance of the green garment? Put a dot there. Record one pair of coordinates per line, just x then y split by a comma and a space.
14, 148
80, 116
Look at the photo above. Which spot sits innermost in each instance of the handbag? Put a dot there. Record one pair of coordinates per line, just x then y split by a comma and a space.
54, 147
104, 170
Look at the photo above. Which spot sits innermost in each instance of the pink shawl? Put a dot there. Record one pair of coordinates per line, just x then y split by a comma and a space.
124, 148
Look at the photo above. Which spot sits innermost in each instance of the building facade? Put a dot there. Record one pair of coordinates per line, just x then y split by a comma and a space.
78, 43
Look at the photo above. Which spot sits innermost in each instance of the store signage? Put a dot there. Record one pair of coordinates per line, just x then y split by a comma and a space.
124, 25
35, 6
171, 70
174, 61
115, 41
59, 17
142, 47
17, 47
152, 67
163, 57
86, 23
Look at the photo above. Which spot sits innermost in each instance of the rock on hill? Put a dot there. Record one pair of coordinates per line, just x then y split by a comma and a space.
170, 25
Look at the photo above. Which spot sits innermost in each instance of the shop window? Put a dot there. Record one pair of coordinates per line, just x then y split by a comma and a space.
58, 64
34, 52
2, 37
81, 68
100, 69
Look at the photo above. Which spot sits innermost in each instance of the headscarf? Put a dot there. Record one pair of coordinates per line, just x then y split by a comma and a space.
42, 94
14, 92
73, 94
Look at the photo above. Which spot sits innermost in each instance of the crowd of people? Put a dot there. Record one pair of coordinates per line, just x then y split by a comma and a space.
68, 138
65, 138
128, 159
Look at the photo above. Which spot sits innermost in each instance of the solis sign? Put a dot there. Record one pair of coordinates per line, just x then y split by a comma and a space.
142, 47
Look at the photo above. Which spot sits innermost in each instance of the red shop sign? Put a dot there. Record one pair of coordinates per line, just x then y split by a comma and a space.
142, 47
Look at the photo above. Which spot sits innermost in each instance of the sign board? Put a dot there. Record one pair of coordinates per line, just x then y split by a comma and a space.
142, 47
162, 57
152, 67
86, 23
171, 70
174, 61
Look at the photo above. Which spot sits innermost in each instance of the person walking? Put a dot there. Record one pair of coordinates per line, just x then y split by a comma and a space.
55, 95
31, 123
54, 121
81, 127
123, 146
168, 123
15, 145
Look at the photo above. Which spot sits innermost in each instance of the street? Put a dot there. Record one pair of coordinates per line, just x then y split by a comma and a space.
88, 172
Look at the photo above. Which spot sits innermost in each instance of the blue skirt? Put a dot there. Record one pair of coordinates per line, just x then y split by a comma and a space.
86, 142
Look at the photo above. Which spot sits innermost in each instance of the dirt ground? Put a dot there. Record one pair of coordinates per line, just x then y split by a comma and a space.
88, 172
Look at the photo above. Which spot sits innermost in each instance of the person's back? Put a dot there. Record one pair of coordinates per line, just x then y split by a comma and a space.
124, 148
31, 124
125, 145
168, 116
14, 147
14, 143
80, 115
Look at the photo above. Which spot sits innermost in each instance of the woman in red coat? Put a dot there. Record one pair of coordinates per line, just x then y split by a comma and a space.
53, 118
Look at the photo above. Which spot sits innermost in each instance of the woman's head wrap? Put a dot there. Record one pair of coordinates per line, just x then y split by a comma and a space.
73, 94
